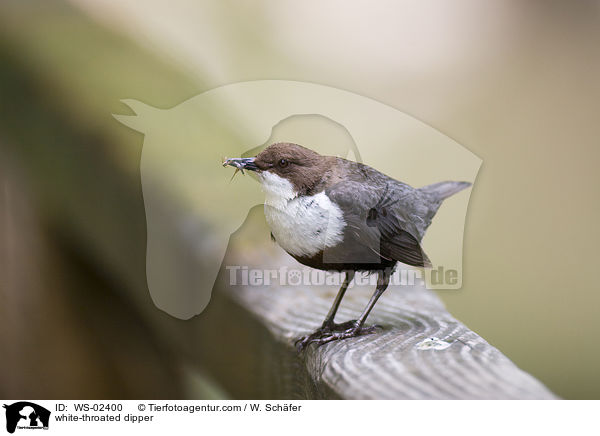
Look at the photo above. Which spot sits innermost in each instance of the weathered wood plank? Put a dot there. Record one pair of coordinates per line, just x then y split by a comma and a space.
399, 362
422, 352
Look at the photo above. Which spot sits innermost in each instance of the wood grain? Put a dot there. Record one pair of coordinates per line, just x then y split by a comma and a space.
422, 351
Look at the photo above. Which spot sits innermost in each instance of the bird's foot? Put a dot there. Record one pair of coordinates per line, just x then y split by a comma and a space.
325, 330
329, 332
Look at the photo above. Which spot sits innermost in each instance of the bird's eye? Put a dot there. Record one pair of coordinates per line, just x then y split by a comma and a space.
283, 163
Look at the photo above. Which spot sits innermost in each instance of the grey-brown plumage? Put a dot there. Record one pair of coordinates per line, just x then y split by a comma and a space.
379, 221
384, 217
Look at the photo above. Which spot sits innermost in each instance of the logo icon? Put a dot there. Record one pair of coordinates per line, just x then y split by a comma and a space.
26, 415
184, 147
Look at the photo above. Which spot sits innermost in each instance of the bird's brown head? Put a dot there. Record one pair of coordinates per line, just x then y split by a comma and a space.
300, 166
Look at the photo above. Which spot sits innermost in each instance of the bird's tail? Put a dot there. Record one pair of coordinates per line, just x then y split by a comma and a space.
443, 190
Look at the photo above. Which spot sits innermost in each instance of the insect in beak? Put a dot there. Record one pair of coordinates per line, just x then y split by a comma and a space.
240, 164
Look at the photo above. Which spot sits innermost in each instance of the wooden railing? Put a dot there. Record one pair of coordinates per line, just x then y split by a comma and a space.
422, 352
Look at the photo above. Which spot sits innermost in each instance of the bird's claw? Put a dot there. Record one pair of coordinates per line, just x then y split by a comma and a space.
334, 332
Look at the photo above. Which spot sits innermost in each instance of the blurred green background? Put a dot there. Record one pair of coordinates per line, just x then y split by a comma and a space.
514, 82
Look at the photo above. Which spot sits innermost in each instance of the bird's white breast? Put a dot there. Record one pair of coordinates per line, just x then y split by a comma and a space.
303, 225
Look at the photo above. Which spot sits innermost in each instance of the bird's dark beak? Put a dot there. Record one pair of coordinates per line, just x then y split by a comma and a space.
241, 163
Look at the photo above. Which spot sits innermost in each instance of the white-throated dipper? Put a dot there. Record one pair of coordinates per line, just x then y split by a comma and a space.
337, 215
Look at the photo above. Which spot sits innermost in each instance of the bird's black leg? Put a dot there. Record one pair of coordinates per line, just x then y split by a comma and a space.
328, 325
356, 328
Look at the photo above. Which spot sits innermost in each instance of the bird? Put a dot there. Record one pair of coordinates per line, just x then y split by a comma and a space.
334, 214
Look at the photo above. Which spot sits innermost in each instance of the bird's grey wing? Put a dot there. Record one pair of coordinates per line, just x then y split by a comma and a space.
375, 219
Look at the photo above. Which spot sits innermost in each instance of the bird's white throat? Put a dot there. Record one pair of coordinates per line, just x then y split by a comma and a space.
278, 191
302, 225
